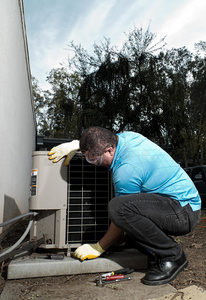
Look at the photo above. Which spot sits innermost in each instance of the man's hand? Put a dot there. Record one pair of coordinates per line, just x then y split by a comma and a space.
65, 149
88, 251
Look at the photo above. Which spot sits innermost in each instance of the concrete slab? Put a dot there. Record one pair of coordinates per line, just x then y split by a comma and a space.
82, 287
30, 266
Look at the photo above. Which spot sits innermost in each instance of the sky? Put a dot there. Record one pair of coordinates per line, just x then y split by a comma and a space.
52, 24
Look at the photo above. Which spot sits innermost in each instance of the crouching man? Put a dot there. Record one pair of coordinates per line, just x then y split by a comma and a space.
154, 198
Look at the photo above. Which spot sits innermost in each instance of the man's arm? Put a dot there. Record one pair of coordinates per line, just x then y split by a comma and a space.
90, 251
111, 236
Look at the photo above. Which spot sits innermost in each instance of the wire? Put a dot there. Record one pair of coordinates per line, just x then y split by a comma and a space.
24, 234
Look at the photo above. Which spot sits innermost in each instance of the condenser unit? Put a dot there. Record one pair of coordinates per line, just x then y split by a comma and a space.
71, 201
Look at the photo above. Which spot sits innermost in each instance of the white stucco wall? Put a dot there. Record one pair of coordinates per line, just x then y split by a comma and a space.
17, 122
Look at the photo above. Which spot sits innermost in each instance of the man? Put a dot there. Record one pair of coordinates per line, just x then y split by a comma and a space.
154, 198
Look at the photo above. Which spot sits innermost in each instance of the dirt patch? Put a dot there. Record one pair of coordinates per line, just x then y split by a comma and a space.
194, 245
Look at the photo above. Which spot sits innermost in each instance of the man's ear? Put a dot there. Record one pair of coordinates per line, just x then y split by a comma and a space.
111, 150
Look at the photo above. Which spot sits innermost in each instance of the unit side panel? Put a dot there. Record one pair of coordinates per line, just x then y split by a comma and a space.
48, 183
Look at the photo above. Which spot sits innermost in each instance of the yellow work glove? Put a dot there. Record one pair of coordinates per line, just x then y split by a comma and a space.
65, 149
88, 251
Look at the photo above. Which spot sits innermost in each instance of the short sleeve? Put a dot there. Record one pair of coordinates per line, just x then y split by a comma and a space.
127, 180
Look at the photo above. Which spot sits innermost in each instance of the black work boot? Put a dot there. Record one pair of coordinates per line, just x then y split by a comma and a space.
165, 271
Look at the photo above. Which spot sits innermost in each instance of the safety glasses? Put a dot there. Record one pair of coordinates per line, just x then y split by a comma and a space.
97, 160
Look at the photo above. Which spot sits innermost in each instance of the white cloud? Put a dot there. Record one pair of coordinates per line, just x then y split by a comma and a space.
181, 26
52, 24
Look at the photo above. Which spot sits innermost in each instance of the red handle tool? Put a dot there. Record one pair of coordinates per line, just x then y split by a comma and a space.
114, 277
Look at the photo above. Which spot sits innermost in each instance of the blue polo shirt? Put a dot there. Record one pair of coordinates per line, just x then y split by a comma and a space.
141, 166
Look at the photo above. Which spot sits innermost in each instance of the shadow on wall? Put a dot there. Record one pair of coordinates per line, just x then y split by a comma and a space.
11, 209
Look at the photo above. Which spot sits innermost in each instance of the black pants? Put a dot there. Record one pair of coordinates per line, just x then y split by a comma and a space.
150, 219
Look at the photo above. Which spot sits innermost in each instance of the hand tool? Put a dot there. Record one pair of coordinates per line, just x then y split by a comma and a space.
113, 277
117, 272
101, 283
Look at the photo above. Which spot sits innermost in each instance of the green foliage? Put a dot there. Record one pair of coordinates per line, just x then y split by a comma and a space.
61, 105
39, 105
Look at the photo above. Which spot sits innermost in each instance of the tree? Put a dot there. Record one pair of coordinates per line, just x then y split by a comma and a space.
159, 95
198, 109
117, 84
39, 107
174, 94
62, 104
133, 89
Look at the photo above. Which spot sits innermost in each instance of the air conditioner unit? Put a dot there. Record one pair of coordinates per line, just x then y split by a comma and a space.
71, 201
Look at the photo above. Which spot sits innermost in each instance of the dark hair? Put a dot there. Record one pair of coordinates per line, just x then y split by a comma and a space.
96, 139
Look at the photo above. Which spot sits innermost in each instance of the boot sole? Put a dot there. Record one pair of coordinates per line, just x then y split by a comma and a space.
167, 280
